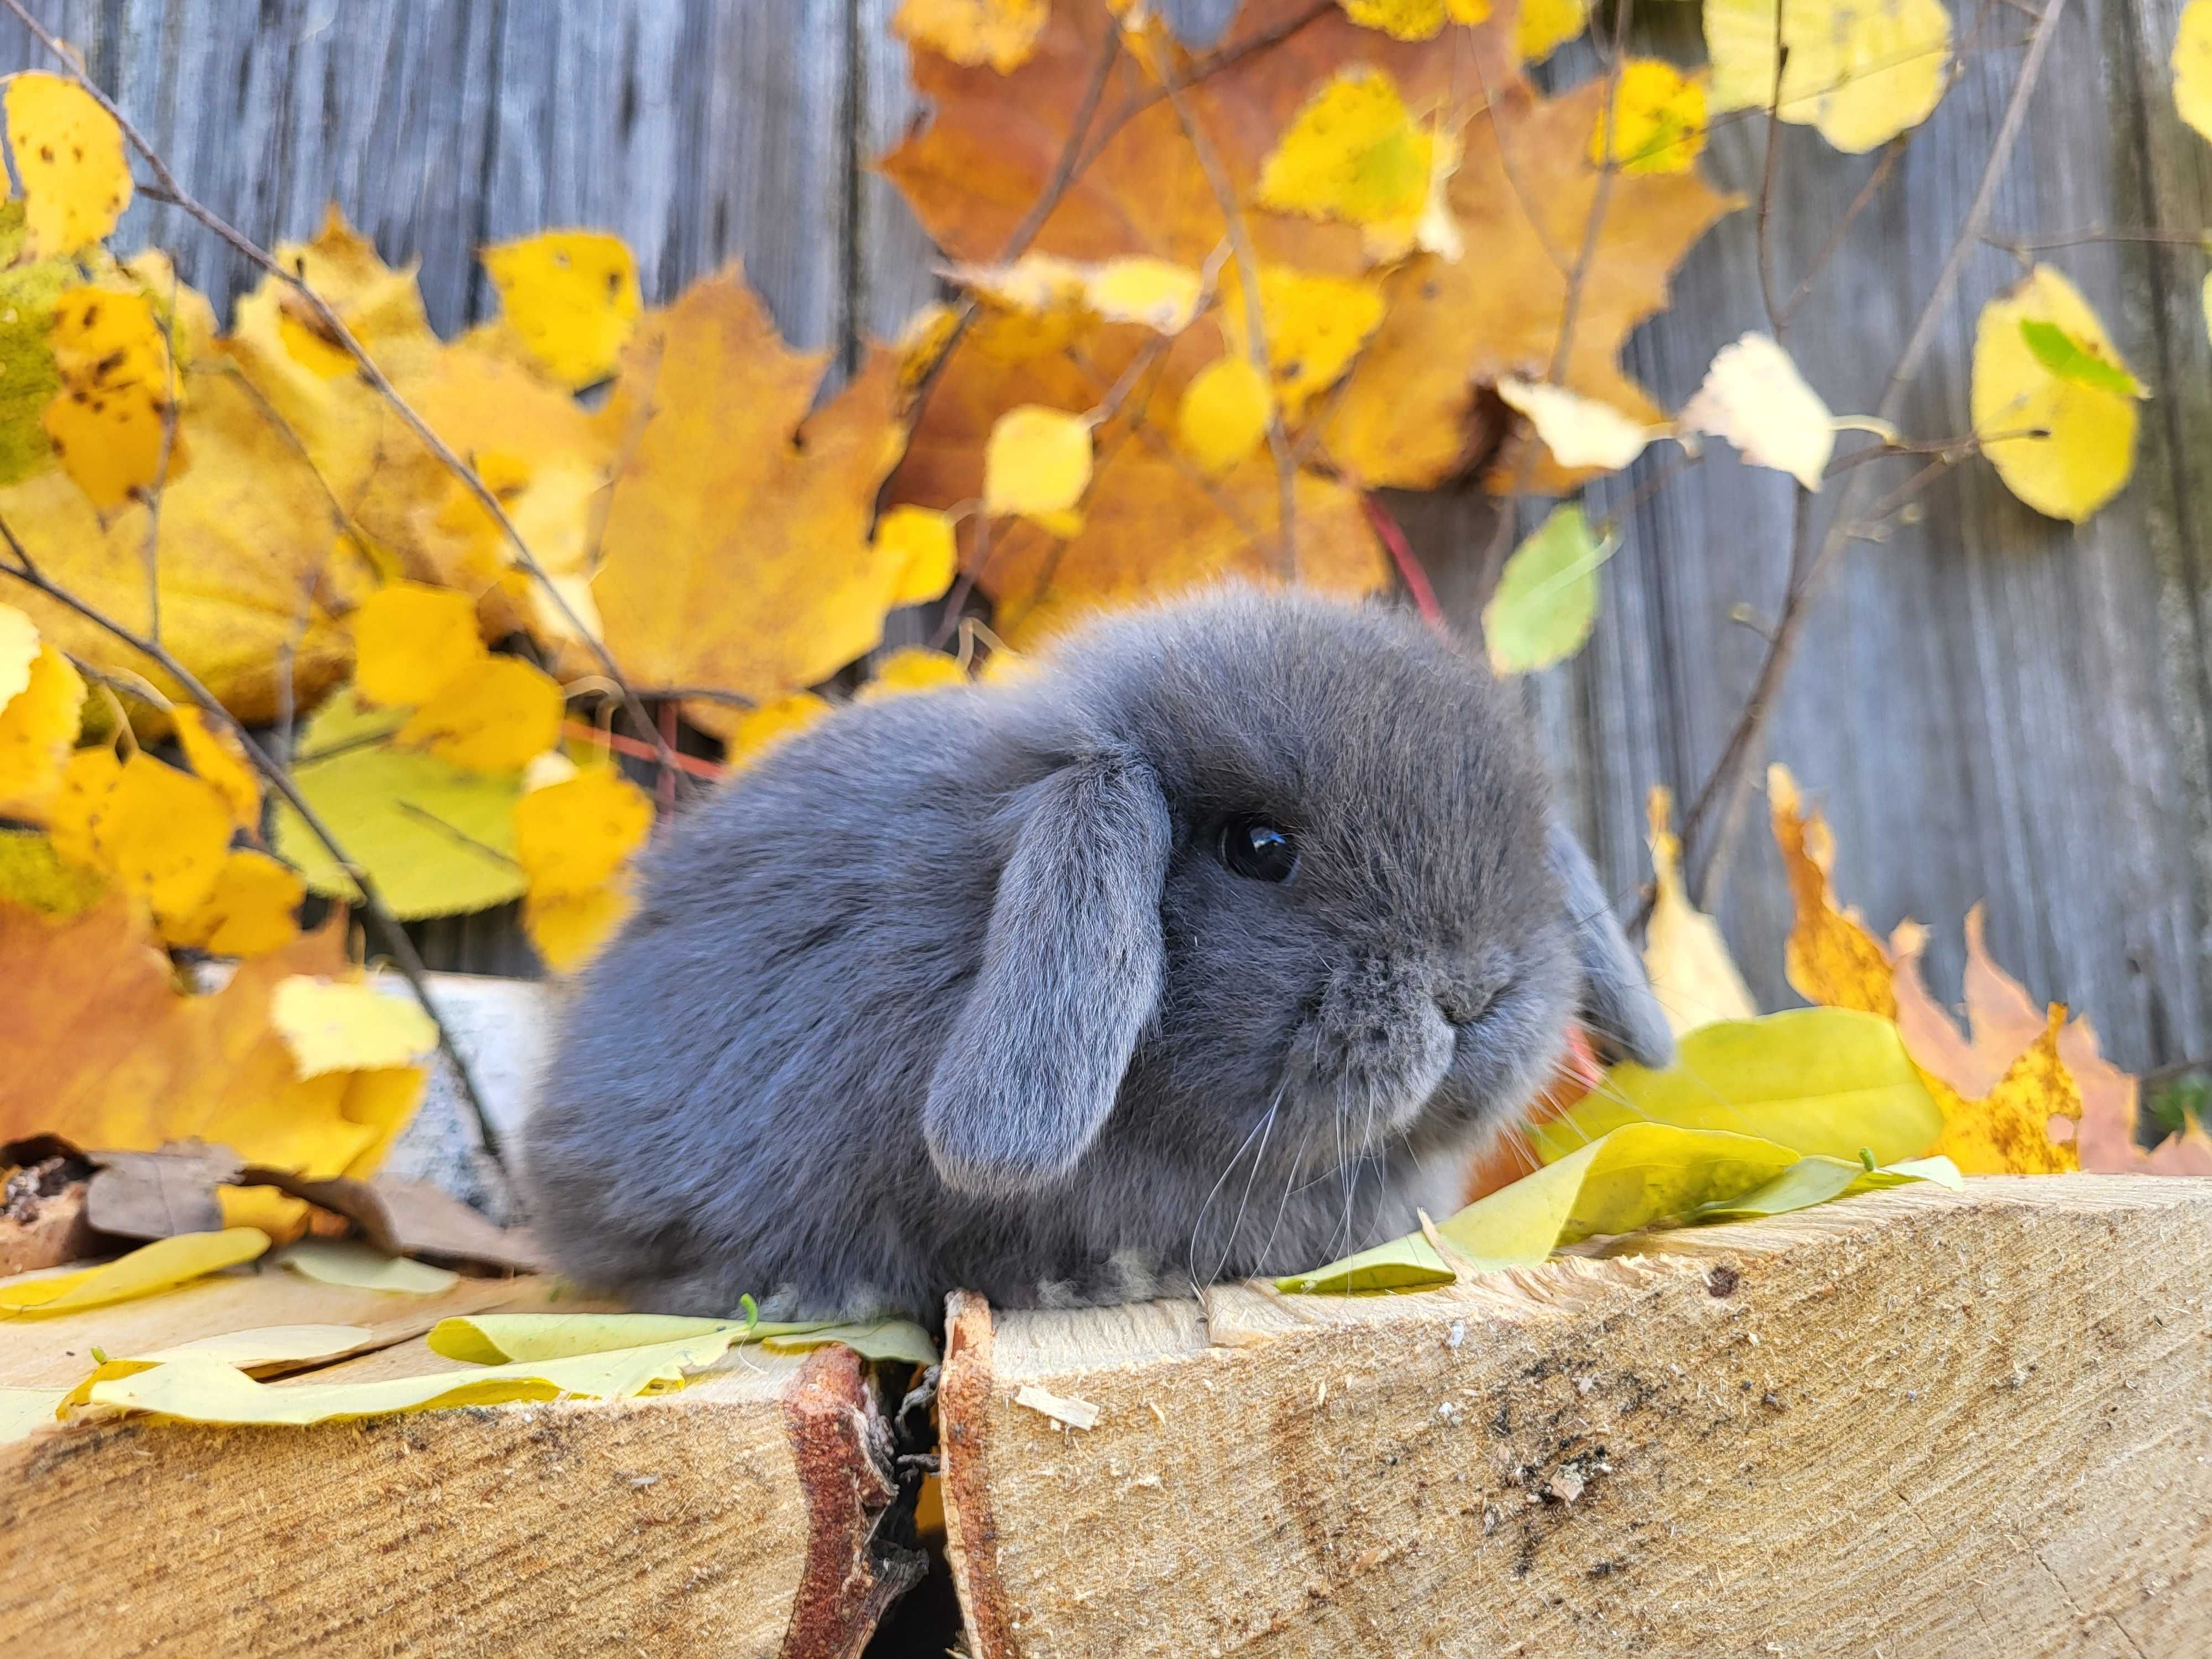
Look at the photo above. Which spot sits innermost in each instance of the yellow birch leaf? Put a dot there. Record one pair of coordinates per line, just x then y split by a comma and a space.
28, 380
268, 1347
920, 539
1545, 25
163, 834
1754, 399
1579, 431
573, 835
1658, 120
2192, 68
760, 729
1414, 20
520, 1339
1315, 324
1546, 600
218, 761
73, 814
1830, 958
1823, 1082
32, 873
201, 1390
253, 909
1225, 413
571, 297
22, 1411
912, 668
1694, 978
436, 840
161, 1266
1001, 33
348, 1026
107, 421
493, 718
360, 1266
567, 929
19, 649
37, 727
1859, 71
412, 640
1813, 1181
1157, 294
1037, 463
1352, 153
69, 153
2074, 441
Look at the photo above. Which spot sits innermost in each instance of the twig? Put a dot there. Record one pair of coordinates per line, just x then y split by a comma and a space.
151, 553
1593, 226
1777, 318
1401, 555
1730, 777
697, 765
339, 335
1255, 327
2155, 235
401, 948
1891, 156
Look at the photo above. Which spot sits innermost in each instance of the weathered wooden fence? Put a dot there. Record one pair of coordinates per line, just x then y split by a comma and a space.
1988, 704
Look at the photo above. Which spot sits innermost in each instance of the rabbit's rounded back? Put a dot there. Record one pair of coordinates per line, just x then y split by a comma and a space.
1211, 945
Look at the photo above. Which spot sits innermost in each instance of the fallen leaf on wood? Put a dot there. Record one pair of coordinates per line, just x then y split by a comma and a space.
161, 1266
1068, 1412
495, 1338
201, 1390
160, 1194
1403, 1264
1693, 977
266, 1349
25, 1411
411, 1218
1813, 1181
343, 1262
899, 1342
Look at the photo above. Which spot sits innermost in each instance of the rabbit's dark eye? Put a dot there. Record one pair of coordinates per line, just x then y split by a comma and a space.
1258, 850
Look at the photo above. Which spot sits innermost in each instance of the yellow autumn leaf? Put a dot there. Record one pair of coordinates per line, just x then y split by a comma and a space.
758, 730
1037, 464
159, 1266
1579, 431
1544, 25
1754, 397
19, 649
109, 420
1001, 33
73, 812
1414, 20
920, 539
1352, 153
571, 297
197, 1389
436, 840
1061, 298
1693, 977
1316, 324
1830, 958
567, 929
1823, 1082
2192, 67
68, 153
1859, 71
2062, 441
266, 1347
573, 835
2008, 1131
494, 718
32, 873
37, 727
360, 1266
252, 909
24, 1411
218, 760
1225, 413
1658, 121
412, 640
517, 1339
163, 834
348, 1026
912, 668
28, 294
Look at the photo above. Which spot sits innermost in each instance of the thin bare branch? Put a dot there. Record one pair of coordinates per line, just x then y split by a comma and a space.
1777, 319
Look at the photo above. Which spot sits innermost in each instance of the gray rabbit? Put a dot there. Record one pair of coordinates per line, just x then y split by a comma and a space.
1212, 946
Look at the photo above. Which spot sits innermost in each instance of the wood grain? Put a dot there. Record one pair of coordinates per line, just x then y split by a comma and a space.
1989, 704
1916, 1424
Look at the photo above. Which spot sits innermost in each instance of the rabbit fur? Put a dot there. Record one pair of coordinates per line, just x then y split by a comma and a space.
960, 990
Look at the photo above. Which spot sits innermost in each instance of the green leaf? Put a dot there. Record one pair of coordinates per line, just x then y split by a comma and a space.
1546, 599
1403, 1264
436, 840
492, 1339
2067, 358
1813, 1181
198, 1389
1824, 1082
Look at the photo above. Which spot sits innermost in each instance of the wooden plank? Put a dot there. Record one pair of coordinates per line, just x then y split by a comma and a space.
1916, 1424
741, 1516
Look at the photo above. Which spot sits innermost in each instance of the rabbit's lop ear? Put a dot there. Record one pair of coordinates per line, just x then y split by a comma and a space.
1072, 969
1622, 1016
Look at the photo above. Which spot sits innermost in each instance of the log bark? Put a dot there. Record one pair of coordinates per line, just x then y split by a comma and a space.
1911, 1424
748, 1514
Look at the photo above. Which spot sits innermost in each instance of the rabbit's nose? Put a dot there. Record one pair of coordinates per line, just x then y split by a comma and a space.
1463, 1001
